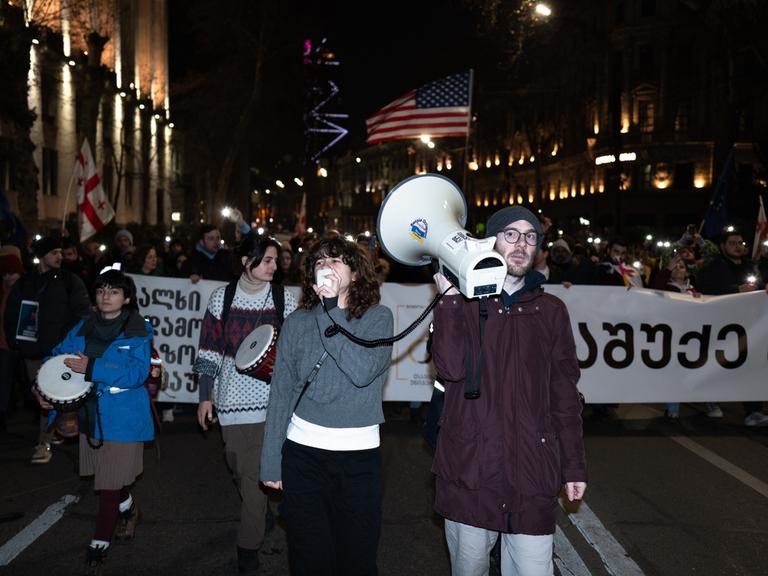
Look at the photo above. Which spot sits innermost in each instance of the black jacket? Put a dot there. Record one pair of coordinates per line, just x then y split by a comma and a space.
218, 268
723, 276
63, 301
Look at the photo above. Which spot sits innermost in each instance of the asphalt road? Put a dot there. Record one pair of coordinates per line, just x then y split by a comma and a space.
664, 499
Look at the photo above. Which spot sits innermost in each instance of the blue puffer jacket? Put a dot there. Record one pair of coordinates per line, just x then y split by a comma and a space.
126, 415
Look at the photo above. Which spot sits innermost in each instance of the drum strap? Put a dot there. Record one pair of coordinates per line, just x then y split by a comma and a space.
310, 378
278, 297
91, 408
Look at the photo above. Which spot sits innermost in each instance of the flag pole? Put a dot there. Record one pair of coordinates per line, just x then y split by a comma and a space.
466, 139
66, 200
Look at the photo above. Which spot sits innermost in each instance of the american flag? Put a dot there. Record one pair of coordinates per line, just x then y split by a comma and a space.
437, 109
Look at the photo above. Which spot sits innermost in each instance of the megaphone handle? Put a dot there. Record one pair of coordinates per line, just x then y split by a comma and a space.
336, 328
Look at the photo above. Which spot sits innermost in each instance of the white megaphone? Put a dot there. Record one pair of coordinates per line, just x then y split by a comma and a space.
422, 218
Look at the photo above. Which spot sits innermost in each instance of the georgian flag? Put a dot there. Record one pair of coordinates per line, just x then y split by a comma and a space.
95, 209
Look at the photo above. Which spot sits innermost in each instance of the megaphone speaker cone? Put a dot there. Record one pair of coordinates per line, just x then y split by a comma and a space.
417, 214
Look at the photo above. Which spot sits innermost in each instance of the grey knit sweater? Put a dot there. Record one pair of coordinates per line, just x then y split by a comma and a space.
347, 390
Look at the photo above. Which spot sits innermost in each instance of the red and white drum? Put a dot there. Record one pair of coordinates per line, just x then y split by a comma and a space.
64, 389
256, 354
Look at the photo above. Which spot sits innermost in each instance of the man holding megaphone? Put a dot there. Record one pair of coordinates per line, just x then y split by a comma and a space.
511, 433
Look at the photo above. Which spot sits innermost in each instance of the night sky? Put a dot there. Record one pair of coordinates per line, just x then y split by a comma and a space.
385, 49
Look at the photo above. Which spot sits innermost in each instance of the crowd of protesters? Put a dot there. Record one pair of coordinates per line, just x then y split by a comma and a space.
690, 264
64, 281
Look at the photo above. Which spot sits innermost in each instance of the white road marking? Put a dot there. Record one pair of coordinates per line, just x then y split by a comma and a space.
718, 461
35, 529
567, 559
615, 559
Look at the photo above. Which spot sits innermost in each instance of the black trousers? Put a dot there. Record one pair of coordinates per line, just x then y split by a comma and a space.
332, 505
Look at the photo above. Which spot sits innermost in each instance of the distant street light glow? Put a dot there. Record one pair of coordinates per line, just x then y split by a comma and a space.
425, 138
543, 10
279, 184
299, 181
605, 159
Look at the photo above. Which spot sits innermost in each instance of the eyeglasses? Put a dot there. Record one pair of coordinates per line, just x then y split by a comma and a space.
512, 235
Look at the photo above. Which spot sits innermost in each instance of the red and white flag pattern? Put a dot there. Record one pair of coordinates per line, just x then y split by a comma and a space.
301, 221
761, 232
95, 209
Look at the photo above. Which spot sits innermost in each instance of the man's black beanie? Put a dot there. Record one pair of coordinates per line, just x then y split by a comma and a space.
41, 247
501, 219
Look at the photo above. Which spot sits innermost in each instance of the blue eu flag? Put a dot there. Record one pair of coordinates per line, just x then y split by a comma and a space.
717, 214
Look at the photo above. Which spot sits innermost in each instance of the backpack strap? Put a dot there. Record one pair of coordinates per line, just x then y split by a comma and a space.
278, 297
229, 295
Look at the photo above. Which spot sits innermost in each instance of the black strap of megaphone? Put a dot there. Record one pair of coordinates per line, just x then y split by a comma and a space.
336, 329
472, 380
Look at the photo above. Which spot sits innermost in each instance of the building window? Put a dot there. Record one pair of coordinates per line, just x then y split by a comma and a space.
645, 61
645, 115
681, 117
50, 172
48, 99
647, 8
647, 177
683, 176
107, 179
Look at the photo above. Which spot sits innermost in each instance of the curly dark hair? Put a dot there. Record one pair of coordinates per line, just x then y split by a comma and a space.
364, 290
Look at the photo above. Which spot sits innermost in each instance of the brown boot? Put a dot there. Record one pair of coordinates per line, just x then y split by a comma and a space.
126, 523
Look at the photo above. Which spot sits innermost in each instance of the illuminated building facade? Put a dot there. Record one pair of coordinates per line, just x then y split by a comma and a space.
628, 122
98, 69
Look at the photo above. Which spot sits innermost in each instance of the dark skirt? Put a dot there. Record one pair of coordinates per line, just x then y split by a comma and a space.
114, 465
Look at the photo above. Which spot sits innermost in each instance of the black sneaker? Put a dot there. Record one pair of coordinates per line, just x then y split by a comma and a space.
126, 523
94, 560
247, 561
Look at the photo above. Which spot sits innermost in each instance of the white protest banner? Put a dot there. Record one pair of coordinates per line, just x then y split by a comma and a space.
175, 308
647, 346
412, 374
633, 345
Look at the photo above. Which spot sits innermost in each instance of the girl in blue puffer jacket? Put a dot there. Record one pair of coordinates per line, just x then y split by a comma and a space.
112, 349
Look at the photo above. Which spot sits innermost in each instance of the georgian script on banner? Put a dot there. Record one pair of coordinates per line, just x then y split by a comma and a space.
175, 307
649, 346
633, 345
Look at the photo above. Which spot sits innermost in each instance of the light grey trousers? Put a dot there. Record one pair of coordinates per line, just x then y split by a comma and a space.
521, 554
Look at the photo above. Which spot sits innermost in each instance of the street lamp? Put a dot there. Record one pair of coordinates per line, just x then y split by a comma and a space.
543, 10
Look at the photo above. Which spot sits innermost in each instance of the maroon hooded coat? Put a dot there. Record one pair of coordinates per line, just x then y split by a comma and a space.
502, 458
